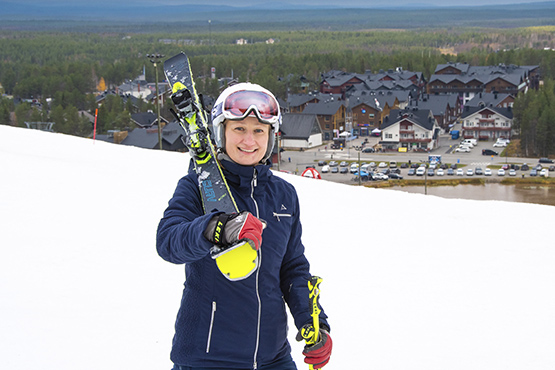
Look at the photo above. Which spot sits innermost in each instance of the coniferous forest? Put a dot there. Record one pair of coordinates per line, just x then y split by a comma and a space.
64, 70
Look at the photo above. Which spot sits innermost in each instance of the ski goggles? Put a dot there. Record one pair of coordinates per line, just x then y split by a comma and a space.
240, 104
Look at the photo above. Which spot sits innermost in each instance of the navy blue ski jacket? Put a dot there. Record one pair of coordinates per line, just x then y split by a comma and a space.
237, 324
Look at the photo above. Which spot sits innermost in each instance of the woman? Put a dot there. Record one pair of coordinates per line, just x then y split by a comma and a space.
224, 324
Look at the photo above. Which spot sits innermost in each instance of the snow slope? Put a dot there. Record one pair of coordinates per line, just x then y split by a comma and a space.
410, 281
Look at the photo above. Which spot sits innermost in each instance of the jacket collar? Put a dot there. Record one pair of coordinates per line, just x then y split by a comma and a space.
242, 176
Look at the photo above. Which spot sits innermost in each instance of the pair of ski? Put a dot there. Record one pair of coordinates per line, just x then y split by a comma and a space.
238, 261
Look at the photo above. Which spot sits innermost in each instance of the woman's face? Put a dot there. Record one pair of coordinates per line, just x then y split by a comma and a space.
246, 140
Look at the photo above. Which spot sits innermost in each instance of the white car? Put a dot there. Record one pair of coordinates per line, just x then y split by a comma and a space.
487, 172
380, 176
463, 149
440, 172
382, 165
420, 171
460, 172
501, 172
544, 172
500, 144
512, 172
470, 172
325, 169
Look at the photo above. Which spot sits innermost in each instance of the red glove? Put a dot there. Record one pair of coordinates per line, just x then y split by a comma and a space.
318, 354
227, 229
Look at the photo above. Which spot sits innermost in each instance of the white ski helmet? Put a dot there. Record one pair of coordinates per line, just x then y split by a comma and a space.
246, 99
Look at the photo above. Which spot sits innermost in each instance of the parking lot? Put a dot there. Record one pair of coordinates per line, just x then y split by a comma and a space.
296, 161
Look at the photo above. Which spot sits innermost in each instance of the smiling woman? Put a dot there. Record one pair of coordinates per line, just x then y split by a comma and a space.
246, 140
246, 319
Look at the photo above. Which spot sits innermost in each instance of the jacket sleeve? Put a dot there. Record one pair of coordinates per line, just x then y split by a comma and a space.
180, 232
295, 274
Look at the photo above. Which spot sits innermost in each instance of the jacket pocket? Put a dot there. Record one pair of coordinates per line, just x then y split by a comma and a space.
212, 316
278, 215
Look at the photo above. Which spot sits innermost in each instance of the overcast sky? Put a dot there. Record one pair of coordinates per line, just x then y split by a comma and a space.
344, 3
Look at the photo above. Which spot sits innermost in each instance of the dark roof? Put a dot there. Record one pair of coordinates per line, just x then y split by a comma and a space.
436, 103
421, 117
296, 100
324, 108
487, 99
505, 112
299, 125
146, 119
148, 138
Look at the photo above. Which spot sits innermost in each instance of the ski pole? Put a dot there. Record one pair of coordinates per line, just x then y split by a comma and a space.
310, 334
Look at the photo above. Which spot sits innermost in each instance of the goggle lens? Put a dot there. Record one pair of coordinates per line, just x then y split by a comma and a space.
241, 103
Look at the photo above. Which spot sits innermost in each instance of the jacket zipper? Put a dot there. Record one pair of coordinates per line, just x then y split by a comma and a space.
254, 183
211, 327
278, 215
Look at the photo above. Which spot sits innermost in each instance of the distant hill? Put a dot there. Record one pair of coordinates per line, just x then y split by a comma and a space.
271, 15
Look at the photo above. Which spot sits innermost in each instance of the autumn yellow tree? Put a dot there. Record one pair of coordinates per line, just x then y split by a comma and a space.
101, 85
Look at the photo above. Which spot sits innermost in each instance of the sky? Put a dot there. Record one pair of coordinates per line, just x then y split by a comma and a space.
409, 281
345, 3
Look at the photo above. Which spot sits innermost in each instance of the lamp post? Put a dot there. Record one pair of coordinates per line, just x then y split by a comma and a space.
154, 59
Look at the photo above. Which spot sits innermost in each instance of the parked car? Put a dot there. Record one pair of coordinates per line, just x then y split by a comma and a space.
460, 172
544, 172
489, 152
333, 164
411, 172
404, 165
450, 172
368, 150
533, 172
395, 176
392, 164
545, 160
478, 171
343, 164
440, 172
382, 165
454, 166
344, 170
501, 144
380, 176
431, 172
512, 172
420, 171
463, 149
322, 163
354, 167
325, 169
538, 167
524, 167
470, 172
487, 172
334, 169
551, 168
500, 172
364, 176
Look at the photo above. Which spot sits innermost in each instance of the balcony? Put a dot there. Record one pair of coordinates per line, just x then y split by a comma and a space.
413, 140
406, 132
486, 120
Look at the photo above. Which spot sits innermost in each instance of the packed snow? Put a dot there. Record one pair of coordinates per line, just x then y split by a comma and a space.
409, 281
